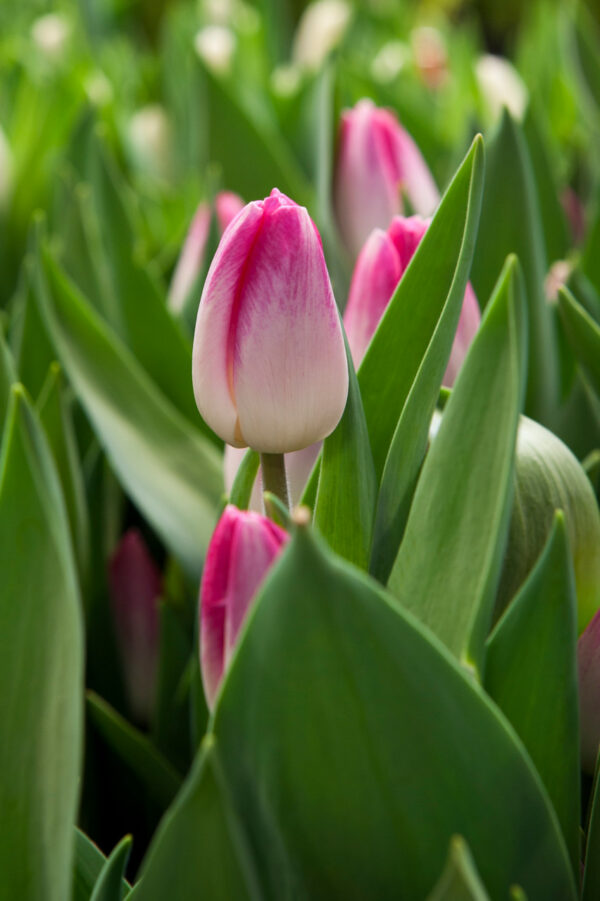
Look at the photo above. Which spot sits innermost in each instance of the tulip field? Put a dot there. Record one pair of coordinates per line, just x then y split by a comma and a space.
299, 450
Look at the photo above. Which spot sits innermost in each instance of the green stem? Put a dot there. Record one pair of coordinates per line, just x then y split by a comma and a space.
273, 476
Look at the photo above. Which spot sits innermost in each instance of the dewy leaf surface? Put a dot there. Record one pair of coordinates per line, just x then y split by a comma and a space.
439, 267
171, 472
41, 668
531, 674
349, 753
448, 565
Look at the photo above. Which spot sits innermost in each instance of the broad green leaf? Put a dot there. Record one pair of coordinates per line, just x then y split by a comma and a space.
511, 223
31, 348
590, 259
362, 747
586, 48
110, 885
460, 880
347, 489
440, 266
89, 863
583, 334
8, 377
591, 871
55, 416
41, 667
241, 490
447, 569
142, 321
161, 781
170, 471
199, 846
531, 674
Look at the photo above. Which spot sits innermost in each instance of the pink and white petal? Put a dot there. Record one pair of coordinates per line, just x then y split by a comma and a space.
290, 369
407, 232
190, 260
416, 179
212, 357
227, 206
468, 323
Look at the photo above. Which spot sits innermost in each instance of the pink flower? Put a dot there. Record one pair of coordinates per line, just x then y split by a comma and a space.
242, 550
588, 659
135, 587
269, 363
191, 259
379, 267
298, 467
377, 162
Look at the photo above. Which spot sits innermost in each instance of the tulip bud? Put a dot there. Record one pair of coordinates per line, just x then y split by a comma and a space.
190, 262
50, 34
215, 45
321, 28
549, 477
269, 362
298, 467
241, 551
135, 586
150, 140
377, 160
588, 663
379, 267
501, 86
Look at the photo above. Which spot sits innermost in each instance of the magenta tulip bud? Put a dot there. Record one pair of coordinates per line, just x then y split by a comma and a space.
241, 551
377, 162
135, 587
298, 467
380, 266
190, 262
269, 362
588, 660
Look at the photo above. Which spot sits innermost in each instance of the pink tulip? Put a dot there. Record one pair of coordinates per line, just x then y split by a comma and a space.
269, 363
377, 162
298, 467
242, 550
191, 259
379, 267
588, 658
135, 586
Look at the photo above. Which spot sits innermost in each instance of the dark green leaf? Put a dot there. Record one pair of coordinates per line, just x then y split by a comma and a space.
110, 885
557, 240
448, 565
199, 845
241, 490
440, 266
591, 872
583, 335
8, 377
531, 673
41, 667
362, 747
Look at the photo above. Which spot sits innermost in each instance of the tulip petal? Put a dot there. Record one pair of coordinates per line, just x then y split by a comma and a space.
468, 323
416, 179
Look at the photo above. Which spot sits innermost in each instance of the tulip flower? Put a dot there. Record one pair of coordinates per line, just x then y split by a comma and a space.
380, 266
269, 363
298, 467
588, 663
241, 551
320, 29
135, 585
501, 86
377, 162
191, 259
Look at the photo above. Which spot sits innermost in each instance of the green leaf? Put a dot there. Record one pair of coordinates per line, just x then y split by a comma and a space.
199, 846
110, 885
583, 334
241, 490
591, 871
511, 223
161, 781
8, 377
169, 470
557, 240
143, 321
531, 674
460, 880
439, 267
171, 718
89, 862
447, 569
362, 747
345, 501
31, 348
55, 416
41, 667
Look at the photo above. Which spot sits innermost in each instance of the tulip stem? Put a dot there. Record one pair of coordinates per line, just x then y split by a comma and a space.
274, 478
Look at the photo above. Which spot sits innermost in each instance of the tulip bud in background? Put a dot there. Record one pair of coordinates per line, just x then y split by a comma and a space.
191, 259
269, 362
575, 213
241, 551
588, 661
298, 467
549, 477
379, 267
150, 141
430, 55
321, 28
377, 162
215, 45
501, 86
135, 586
50, 34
